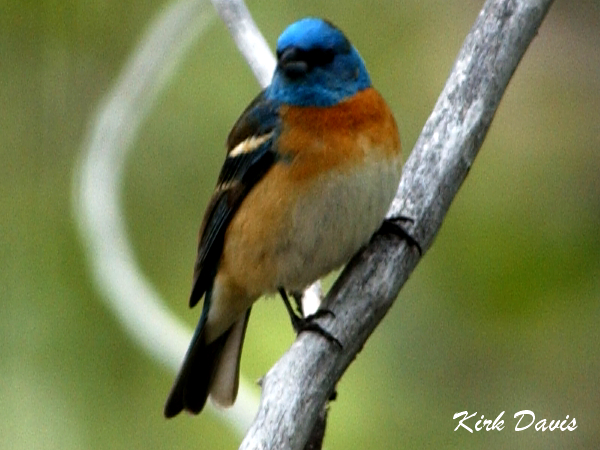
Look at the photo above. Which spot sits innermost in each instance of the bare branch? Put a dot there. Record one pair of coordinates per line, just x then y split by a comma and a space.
296, 388
97, 182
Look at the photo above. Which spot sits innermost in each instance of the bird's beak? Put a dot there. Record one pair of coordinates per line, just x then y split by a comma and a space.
292, 63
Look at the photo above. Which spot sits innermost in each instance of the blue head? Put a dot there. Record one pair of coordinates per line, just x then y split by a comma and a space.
316, 66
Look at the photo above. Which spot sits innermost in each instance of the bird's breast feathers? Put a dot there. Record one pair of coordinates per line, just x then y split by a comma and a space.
337, 175
346, 135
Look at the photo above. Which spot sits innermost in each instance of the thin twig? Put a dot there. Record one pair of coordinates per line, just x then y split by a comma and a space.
248, 38
255, 50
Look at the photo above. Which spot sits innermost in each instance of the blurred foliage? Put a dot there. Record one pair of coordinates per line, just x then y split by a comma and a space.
501, 315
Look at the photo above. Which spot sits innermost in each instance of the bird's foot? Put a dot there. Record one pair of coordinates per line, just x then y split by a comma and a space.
307, 323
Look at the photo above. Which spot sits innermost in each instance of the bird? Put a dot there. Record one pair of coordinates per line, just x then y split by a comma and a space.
312, 166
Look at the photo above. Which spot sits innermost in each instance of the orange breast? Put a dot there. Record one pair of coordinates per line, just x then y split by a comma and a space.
318, 145
342, 136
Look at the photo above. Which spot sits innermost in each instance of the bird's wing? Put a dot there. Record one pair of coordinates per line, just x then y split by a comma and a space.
250, 155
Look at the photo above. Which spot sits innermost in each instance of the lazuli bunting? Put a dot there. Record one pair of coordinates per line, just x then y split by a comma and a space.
312, 166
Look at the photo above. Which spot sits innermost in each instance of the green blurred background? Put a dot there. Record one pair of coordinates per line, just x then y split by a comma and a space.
501, 315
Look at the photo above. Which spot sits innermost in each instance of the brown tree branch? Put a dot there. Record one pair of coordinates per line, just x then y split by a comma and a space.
295, 390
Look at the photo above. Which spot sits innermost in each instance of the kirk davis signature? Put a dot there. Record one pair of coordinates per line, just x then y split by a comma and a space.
526, 419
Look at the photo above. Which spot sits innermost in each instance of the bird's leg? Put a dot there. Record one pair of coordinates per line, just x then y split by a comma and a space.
391, 226
301, 324
297, 296
321, 312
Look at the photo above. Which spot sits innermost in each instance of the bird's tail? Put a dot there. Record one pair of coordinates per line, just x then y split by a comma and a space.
208, 368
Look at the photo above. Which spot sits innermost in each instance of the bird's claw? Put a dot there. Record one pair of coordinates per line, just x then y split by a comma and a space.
307, 323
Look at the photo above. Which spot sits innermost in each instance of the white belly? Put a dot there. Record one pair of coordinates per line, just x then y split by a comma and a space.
332, 223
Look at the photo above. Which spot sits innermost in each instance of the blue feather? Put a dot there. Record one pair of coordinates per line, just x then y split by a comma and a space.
317, 66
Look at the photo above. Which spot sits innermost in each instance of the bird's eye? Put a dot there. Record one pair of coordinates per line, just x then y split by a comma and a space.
319, 57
